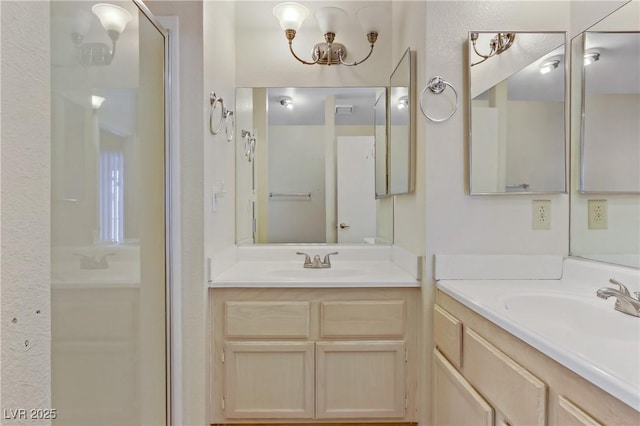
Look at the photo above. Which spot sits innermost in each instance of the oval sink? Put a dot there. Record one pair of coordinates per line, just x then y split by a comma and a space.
571, 315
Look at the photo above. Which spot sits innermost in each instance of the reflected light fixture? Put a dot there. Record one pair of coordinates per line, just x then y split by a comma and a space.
498, 44
591, 57
286, 102
403, 102
114, 20
96, 101
330, 20
549, 65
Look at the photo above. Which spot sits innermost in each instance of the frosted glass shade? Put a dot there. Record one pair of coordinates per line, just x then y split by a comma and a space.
112, 17
291, 15
370, 18
96, 101
330, 19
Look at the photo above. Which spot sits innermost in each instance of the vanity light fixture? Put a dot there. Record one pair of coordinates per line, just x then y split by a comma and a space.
286, 102
114, 20
96, 102
549, 65
403, 102
591, 57
330, 20
498, 44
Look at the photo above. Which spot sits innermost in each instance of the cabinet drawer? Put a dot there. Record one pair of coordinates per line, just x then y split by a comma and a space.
571, 415
448, 335
508, 386
278, 320
374, 318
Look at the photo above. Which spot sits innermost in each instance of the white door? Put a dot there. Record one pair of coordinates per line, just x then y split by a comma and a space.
356, 217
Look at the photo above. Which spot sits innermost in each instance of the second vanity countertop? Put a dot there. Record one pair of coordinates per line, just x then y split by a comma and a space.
365, 266
564, 319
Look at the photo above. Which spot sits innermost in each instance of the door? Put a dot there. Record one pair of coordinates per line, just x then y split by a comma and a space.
455, 401
267, 380
356, 216
108, 246
360, 379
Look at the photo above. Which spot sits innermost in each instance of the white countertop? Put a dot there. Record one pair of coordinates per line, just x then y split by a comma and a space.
565, 320
293, 274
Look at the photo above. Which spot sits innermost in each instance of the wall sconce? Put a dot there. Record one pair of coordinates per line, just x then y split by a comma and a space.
114, 19
403, 102
291, 15
590, 57
498, 44
286, 102
96, 102
549, 65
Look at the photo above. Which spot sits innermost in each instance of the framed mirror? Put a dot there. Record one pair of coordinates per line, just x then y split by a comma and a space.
401, 113
605, 198
517, 114
311, 178
610, 144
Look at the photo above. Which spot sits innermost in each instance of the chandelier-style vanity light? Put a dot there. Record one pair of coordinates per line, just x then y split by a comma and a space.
498, 44
329, 19
114, 19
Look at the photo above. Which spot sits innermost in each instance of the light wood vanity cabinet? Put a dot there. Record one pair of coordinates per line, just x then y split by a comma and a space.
313, 355
484, 375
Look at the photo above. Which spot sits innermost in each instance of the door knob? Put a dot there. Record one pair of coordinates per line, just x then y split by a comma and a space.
344, 226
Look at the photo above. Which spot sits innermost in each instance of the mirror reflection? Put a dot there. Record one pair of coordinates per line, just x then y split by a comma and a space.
611, 111
380, 123
517, 136
605, 203
401, 161
311, 178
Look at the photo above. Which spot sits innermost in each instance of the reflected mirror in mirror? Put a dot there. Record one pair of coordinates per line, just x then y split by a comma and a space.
611, 112
311, 178
401, 150
605, 198
517, 131
380, 125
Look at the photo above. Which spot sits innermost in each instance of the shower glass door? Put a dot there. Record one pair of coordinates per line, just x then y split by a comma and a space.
108, 216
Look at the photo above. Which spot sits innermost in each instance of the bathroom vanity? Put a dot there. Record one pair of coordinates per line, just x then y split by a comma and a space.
303, 345
538, 351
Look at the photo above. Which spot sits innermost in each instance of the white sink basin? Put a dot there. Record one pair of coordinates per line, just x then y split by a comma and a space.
572, 316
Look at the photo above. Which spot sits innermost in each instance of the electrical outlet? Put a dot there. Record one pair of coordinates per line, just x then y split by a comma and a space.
598, 216
541, 215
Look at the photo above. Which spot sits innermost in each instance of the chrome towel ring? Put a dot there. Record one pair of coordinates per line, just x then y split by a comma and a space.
249, 144
436, 86
226, 116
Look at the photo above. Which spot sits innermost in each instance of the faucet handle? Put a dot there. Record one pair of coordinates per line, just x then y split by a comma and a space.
327, 260
623, 288
307, 259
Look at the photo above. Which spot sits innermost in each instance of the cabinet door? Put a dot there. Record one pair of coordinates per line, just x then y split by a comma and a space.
360, 379
455, 401
268, 380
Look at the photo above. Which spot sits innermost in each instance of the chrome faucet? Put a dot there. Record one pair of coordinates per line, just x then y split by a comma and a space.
624, 301
316, 263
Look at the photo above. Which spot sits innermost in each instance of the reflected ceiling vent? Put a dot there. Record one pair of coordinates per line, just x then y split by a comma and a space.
344, 109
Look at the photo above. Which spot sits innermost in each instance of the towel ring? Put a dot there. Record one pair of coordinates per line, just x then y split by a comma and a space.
215, 100
229, 130
436, 86
249, 144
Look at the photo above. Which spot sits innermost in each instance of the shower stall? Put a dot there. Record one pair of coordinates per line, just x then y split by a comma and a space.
109, 240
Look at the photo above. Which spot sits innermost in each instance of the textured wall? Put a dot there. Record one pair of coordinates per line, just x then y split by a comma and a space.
25, 214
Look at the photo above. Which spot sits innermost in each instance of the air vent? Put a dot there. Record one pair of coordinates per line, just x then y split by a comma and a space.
344, 109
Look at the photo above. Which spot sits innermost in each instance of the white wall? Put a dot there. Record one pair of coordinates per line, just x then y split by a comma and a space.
25, 215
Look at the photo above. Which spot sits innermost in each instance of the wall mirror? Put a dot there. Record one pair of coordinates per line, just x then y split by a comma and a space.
605, 199
610, 148
517, 114
401, 113
311, 177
